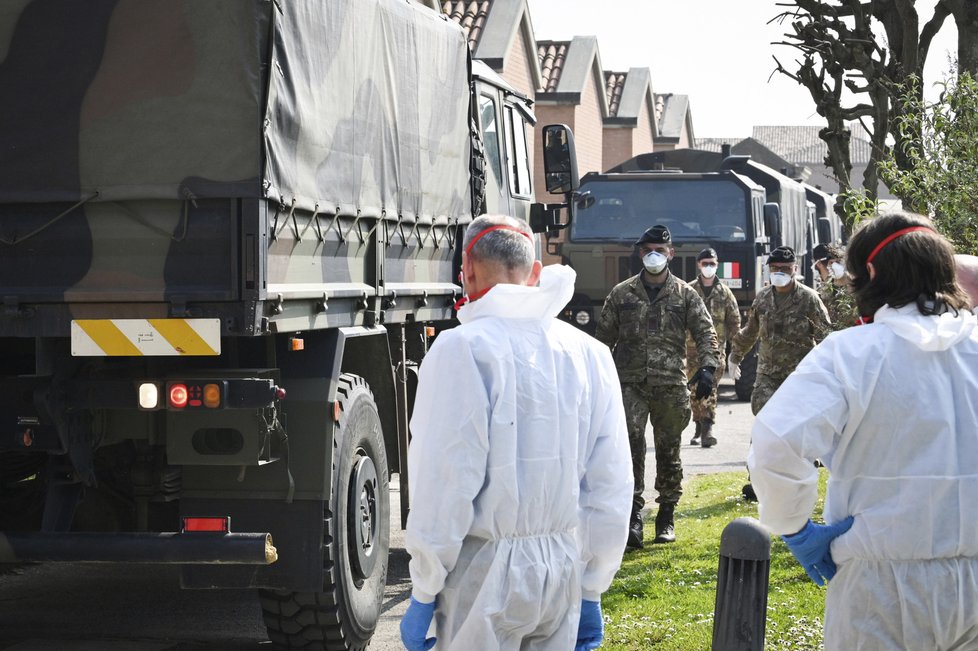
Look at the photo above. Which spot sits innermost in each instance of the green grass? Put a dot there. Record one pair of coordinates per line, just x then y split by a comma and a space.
664, 595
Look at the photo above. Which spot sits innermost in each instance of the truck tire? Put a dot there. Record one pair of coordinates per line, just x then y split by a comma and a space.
748, 373
356, 539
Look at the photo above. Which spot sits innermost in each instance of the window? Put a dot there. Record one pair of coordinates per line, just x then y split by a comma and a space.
490, 136
519, 159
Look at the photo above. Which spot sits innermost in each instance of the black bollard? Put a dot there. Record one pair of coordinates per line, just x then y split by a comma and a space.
742, 579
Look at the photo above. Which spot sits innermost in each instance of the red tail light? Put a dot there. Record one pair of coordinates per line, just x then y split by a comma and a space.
213, 525
178, 395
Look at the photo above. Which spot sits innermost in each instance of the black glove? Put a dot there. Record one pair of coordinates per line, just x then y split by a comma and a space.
703, 379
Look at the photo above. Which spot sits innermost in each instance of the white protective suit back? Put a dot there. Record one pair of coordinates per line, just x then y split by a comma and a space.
891, 408
520, 474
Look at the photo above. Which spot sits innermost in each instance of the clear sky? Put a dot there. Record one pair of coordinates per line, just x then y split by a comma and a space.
718, 52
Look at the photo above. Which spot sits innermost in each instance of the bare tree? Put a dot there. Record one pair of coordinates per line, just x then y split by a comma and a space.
870, 48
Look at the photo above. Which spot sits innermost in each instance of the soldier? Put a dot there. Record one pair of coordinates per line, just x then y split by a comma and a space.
644, 321
834, 289
722, 305
789, 319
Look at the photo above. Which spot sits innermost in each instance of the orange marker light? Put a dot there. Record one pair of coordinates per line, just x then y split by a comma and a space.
178, 396
429, 331
212, 395
297, 344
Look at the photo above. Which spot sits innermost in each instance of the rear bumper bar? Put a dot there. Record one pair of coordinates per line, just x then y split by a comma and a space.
164, 548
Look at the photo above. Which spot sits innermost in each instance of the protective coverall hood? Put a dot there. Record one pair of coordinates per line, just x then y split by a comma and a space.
520, 301
926, 332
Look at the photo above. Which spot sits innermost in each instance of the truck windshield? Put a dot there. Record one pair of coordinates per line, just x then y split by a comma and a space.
691, 209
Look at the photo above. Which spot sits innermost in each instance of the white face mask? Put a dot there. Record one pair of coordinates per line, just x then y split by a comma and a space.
708, 270
655, 262
837, 270
780, 279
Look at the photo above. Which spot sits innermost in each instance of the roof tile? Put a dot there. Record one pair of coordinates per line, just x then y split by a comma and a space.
614, 85
552, 55
470, 14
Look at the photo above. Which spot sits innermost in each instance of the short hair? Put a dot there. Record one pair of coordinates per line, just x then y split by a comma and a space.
512, 249
916, 267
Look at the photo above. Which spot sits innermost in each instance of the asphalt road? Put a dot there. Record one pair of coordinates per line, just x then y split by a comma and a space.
141, 607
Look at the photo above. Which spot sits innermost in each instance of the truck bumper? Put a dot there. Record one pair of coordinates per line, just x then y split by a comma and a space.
165, 548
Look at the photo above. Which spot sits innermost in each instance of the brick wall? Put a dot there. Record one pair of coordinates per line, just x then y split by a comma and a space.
618, 146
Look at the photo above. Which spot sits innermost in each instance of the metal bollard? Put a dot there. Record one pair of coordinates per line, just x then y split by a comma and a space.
742, 580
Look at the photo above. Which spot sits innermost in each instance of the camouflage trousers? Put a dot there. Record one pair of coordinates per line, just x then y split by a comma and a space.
706, 409
764, 388
667, 408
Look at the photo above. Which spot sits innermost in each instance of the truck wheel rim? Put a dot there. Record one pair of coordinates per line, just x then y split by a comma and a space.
363, 520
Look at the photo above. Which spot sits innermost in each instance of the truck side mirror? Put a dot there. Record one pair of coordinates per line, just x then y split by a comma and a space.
559, 159
772, 223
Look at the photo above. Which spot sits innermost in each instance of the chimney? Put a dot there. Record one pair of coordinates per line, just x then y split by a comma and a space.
725, 150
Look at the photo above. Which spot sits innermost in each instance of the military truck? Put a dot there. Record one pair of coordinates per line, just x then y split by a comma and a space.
740, 208
228, 231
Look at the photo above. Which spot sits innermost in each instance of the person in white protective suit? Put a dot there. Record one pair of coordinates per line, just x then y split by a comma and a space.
519, 465
891, 409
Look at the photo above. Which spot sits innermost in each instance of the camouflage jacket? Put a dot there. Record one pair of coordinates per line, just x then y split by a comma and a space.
648, 340
723, 310
787, 332
840, 303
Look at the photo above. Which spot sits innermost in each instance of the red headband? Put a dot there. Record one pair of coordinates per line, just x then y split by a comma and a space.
892, 236
497, 227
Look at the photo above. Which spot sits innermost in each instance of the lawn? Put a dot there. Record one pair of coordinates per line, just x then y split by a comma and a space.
664, 595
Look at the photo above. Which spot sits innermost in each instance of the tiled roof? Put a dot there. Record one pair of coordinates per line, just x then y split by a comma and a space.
614, 85
802, 144
552, 55
470, 14
672, 114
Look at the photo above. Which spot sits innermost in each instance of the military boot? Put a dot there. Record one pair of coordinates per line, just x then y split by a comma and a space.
665, 531
635, 531
706, 434
696, 435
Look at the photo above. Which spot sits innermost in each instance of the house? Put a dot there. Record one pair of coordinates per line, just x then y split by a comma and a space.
631, 126
500, 35
802, 146
675, 120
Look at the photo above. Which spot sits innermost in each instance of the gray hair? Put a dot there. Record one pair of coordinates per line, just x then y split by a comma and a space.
506, 247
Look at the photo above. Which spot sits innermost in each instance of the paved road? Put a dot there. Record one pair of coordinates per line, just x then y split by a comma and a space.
141, 608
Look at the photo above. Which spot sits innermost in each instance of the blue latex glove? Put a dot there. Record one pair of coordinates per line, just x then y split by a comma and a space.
590, 631
414, 626
811, 547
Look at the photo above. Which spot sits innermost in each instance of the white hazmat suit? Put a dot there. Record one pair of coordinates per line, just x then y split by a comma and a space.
891, 408
520, 474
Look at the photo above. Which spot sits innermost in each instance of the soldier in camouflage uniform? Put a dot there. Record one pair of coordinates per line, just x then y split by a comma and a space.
789, 319
722, 305
834, 290
644, 321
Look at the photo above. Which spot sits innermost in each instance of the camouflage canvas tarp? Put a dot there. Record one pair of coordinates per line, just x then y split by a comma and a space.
353, 104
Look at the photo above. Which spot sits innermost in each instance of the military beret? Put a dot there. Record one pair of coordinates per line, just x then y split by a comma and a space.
827, 252
706, 253
658, 234
781, 254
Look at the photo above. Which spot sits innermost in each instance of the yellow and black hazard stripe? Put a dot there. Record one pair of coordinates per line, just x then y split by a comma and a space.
145, 337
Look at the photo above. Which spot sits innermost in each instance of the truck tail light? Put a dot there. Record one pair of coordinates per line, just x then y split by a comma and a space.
212, 395
149, 395
206, 524
178, 396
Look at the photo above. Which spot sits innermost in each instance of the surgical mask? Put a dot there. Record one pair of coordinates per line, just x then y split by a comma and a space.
655, 262
780, 279
837, 270
708, 270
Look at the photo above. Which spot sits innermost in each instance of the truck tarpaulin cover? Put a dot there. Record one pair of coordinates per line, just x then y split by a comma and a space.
356, 104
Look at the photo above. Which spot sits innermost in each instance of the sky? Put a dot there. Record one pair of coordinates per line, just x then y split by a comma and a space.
718, 52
